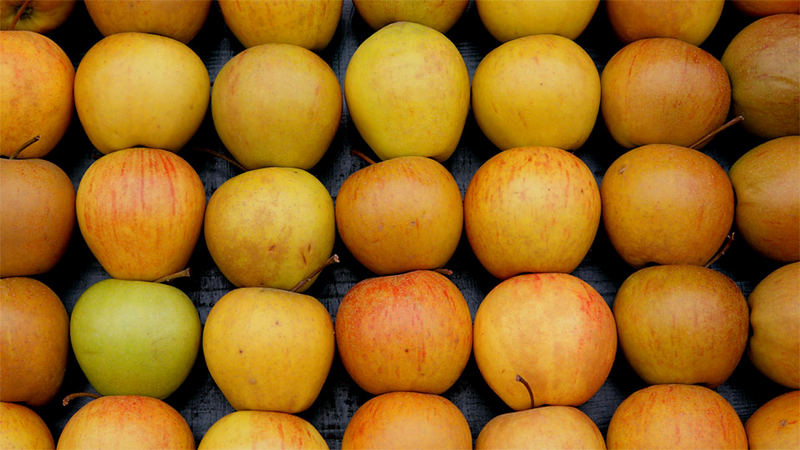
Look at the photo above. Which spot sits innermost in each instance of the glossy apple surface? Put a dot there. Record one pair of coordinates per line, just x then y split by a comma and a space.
180, 20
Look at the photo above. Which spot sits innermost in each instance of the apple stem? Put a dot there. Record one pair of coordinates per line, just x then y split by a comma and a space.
527, 386
75, 395
221, 156
332, 260
27, 144
725, 246
20, 12
443, 271
705, 139
362, 156
166, 278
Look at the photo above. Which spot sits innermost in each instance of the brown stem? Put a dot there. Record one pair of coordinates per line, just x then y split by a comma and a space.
27, 144
527, 386
75, 395
166, 278
332, 260
362, 156
443, 271
19, 14
725, 246
705, 139
221, 156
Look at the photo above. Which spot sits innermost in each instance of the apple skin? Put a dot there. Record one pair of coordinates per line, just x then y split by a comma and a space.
270, 227
407, 420
440, 15
402, 214
531, 209
536, 90
276, 105
38, 203
22, 428
676, 416
407, 90
299, 22
40, 16
666, 204
547, 427
776, 424
511, 19
681, 324
761, 8
774, 347
139, 89
663, 91
34, 342
36, 78
768, 198
140, 211
408, 332
126, 421
691, 21
764, 68
180, 20
135, 337
261, 429
545, 328
269, 349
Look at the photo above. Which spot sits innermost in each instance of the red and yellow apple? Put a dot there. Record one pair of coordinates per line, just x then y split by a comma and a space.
180, 20
761, 8
688, 20
775, 424
22, 428
261, 429
546, 427
512, 19
40, 16
440, 15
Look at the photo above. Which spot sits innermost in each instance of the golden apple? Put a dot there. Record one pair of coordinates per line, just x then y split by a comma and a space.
546, 427
511, 19
775, 424
261, 429
22, 428
178, 19
40, 16
761, 8
688, 20
440, 15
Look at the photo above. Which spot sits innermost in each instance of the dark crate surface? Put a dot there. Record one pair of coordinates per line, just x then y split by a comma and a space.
202, 403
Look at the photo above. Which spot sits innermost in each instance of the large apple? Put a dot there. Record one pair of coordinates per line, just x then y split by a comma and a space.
511, 19
407, 420
34, 341
261, 429
407, 89
666, 204
440, 15
309, 24
767, 188
775, 424
22, 428
532, 209
546, 328
270, 227
402, 214
536, 90
38, 203
408, 332
681, 324
140, 89
140, 211
663, 91
269, 349
546, 427
36, 79
678, 416
40, 16
276, 105
180, 20
688, 20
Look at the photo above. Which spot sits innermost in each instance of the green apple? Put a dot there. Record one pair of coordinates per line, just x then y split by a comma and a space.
546, 427
775, 424
135, 337
40, 16
180, 20
440, 15
511, 19
261, 429
22, 428
688, 20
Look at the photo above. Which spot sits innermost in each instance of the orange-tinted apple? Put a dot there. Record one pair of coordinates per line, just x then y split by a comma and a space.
512, 19
40, 16
22, 428
688, 20
546, 427
776, 424
179, 20
261, 429
440, 15
761, 8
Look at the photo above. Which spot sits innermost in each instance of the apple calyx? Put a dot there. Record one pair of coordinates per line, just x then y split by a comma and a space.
219, 155
724, 248
527, 386
362, 156
333, 259
75, 395
167, 278
27, 144
705, 139
24, 10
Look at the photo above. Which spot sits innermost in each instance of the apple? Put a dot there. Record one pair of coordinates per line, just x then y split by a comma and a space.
139, 89
681, 324
270, 227
36, 79
261, 429
764, 68
38, 203
402, 214
126, 421
666, 204
440, 15
761, 8
40, 16
512, 19
407, 420
180, 20
536, 90
269, 349
767, 188
531, 209
675, 416
22, 428
276, 105
774, 346
546, 328
34, 341
546, 427
140, 211
776, 424
408, 332
407, 90
663, 91
688, 20
309, 24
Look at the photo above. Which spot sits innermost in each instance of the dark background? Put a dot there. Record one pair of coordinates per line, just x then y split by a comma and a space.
202, 403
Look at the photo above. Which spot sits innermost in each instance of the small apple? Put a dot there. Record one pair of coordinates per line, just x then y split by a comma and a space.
40, 16
512, 19
440, 15
776, 424
761, 8
688, 20
407, 89
261, 429
34, 341
410, 420
269, 349
140, 211
22, 428
180, 20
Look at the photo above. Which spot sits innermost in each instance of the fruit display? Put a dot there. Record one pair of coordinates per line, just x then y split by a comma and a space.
417, 235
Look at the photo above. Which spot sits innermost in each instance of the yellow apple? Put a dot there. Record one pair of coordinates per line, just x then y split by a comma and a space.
22, 428
276, 105
775, 424
546, 427
261, 429
536, 90
511, 19
140, 89
688, 20
180, 20
440, 15
40, 16
407, 89
761, 8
